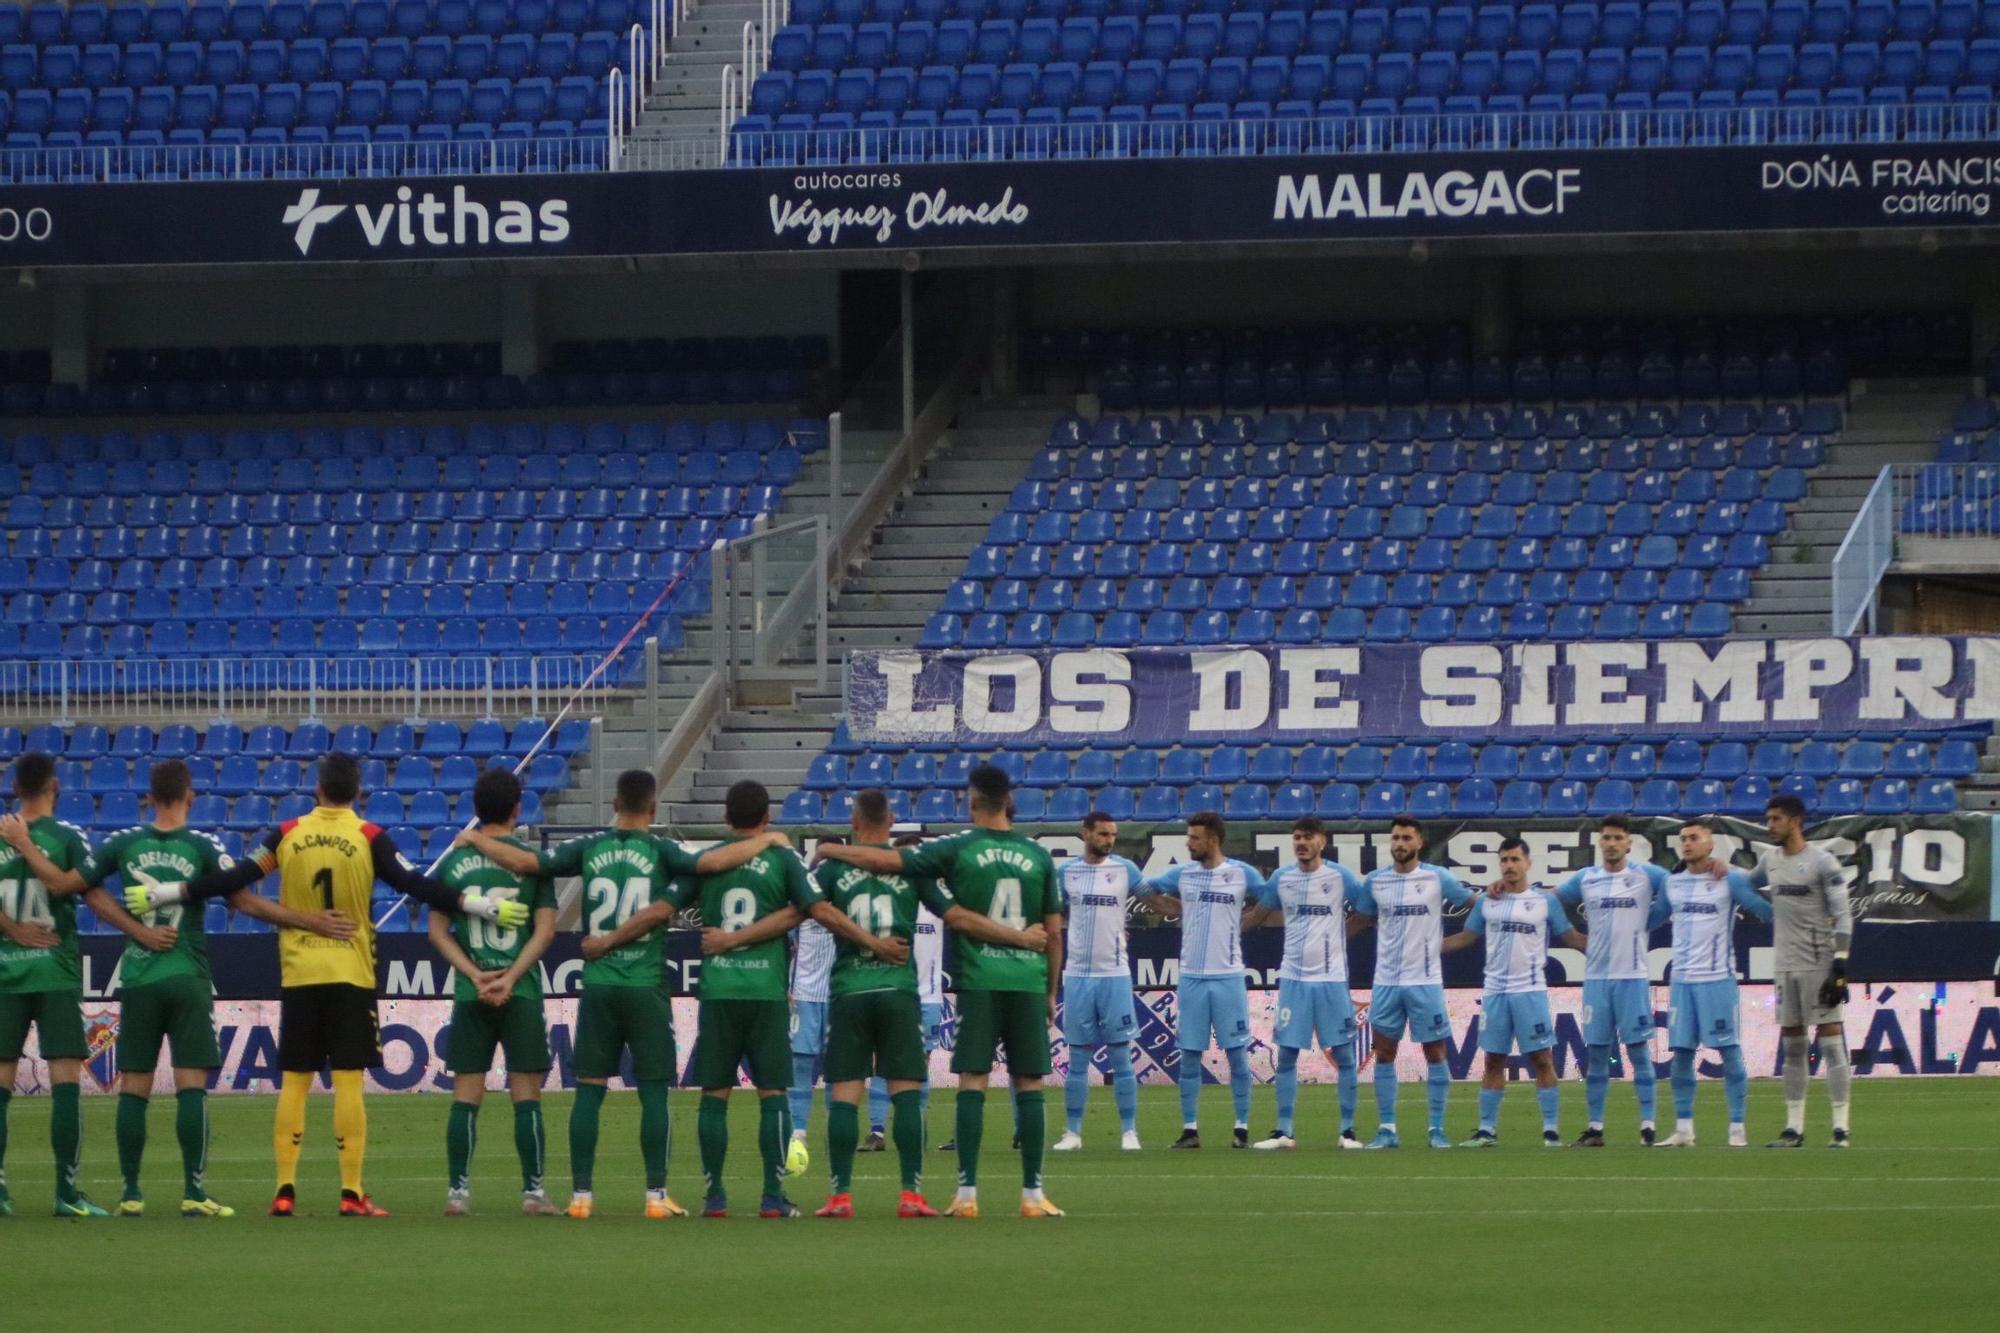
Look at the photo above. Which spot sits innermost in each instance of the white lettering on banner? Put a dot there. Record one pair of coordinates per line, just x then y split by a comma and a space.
1312, 701
1461, 686
1984, 657
1730, 676
1539, 192
1213, 673
410, 978
512, 221
983, 673
1100, 679
901, 713
1905, 669
1810, 665
1599, 685
1535, 706
922, 210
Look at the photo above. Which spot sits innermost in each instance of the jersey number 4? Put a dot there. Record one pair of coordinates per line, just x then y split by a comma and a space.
1007, 904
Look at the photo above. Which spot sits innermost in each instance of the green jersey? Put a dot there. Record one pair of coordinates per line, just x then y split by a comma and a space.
25, 898
146, 855
624, 871
1003, 875
884, 905
768, 882
492, 949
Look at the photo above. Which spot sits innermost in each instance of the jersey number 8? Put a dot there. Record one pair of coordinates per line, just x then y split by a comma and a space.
739, 909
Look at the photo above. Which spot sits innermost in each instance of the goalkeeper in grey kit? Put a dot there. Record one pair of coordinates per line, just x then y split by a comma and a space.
1812, 930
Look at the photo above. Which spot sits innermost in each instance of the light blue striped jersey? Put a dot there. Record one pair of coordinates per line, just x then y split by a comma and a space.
1212, 903
1616, 907
1704, 911
1098, 896
1518, 928
812, 961
1315, 907
1409, 921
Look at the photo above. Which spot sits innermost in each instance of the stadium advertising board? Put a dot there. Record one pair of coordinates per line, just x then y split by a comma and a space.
1894, 1030
900, 208
1527, 692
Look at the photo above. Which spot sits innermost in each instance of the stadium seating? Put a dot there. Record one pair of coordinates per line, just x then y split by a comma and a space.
1566, 75
417, 783
418, 377
268, 74
1961, 496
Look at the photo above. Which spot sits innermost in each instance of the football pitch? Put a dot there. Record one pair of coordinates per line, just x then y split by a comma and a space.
1897, 1232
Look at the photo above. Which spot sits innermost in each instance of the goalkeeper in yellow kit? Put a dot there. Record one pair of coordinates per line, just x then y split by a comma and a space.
328, 860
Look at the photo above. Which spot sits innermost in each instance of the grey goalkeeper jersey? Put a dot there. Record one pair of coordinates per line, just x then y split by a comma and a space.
1809, 908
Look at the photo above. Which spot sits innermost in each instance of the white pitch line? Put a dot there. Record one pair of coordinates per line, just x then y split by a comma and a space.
1578, 1212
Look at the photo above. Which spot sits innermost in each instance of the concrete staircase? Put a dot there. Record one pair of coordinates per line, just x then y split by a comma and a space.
884, 600
685, 105
1894, 421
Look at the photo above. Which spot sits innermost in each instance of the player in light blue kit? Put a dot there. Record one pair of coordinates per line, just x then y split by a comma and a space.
1212, 894
1312, 896
1704, 895
1616, 900
1097, 1005
1405, 901
812, 965
1517, 919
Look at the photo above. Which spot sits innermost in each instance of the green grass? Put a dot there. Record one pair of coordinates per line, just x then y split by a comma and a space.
1895, 1233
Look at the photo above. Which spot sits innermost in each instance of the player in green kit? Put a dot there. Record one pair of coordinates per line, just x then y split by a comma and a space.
41, 974
627, 872
746, 1017
168, 996
875, 1026
497, 999
1005, 993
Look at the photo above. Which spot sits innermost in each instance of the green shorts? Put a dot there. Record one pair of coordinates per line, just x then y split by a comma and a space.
478, 1030
58, 1019
735, 1031
612, 1019
1015, 1019
179, 1011
876, 1032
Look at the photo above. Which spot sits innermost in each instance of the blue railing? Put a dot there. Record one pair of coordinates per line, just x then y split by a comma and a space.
1118, 136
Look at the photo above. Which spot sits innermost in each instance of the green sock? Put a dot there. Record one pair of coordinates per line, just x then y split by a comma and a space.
6, 1095
191, 1128
531, 1143
1031, 1116
712, 1131
583, 1134
843, 1136
906, 1117
653, 1132
66, 1137
461, 1131
971, 1124
131, 1135
774, 1118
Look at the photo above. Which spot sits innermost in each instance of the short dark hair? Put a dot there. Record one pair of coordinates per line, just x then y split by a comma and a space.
990, 786
1406, 821
1308, 824
747, 805
1698, 821
1786, 804
1209, 820
33, 773
1619, 822
496, 796
1096, 817
871, 806
908, 839
169, 782
340, 779
636, 789
1513, 845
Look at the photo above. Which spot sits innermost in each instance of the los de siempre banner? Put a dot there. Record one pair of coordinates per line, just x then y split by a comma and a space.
1749, 689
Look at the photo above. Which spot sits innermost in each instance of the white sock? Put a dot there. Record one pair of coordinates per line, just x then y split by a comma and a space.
1840, 1117
1189, 1126
1388, 1127
1643, 1124
1031, 1195
798, 1136
1683, 1126
1243, 1124
1597, 1126
1795, 1116
968, 1193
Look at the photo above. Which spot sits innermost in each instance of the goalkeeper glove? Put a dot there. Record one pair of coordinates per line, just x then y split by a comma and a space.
502, 912
1833, 991
142, 898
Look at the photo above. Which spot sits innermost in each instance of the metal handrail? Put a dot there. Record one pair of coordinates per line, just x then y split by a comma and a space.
615, 130
728, 115
638, 71
1864, 556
